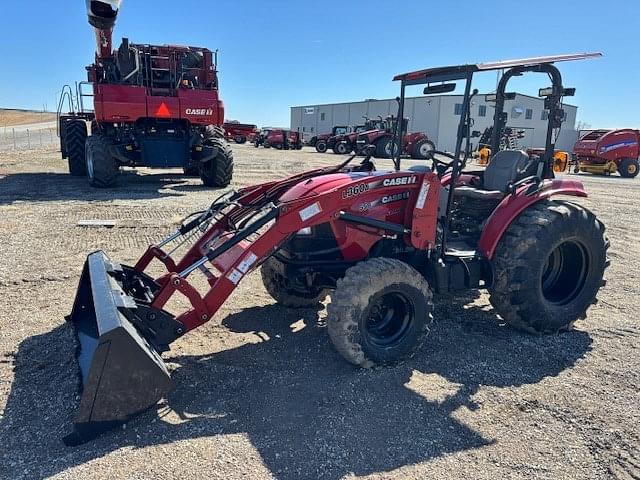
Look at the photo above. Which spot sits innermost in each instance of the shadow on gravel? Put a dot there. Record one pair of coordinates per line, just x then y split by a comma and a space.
307, 413
46, 187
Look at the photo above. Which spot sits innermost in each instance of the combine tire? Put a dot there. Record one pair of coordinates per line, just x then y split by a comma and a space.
549, 267
423, 149
629, 168
74, 139
278, 146
380, 312
321, 146
275, 282
102, 168
219, 171
240, 140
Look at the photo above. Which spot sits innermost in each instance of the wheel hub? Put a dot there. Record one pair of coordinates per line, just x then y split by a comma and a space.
389, 319
565, 272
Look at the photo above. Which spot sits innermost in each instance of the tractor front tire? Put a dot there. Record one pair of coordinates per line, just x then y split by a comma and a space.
341, 149
219, 171
321, 146
385, 148
549, 266
423, 149
277, 286
75, 137
380, 312
102, 167
629, 168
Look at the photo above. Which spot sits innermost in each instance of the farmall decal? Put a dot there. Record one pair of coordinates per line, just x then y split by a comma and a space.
199, 111
361, 188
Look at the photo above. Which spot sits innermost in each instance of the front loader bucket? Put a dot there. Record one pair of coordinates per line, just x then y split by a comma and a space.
121, 374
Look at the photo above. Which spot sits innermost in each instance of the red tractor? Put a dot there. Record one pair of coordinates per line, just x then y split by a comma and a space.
320, 142
346, 143
280, 139
380, 243
153, 106
608, 151
240, 132
416, 145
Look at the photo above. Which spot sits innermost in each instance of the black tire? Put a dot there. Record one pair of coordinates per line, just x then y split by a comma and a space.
321, 146
549, 266
422, 149
102, 167
629, 168
266, 144
240, 140
219, 171
256, 144
278, 146
75, 137
384, 147
380, 312
191, 171
277, 286
341, 148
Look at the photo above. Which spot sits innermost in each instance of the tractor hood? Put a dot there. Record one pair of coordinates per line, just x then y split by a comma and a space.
321, 184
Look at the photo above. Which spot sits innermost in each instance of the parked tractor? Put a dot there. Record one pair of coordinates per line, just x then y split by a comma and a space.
347, 143
320, 142
240, 132
279, 139
608, 151
153, 106
381, 243
416, 145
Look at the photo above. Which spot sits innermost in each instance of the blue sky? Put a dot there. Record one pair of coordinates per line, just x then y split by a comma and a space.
277, 54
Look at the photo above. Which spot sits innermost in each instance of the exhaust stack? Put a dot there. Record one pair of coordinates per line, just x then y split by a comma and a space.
102, 17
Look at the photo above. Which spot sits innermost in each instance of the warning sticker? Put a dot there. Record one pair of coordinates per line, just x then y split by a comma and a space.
310, 211
245, 264
422, 196
235, 276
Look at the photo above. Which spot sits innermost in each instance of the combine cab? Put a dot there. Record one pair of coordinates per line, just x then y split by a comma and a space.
608, 151
153, 106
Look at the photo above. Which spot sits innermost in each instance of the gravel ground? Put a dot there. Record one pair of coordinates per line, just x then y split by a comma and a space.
260, 393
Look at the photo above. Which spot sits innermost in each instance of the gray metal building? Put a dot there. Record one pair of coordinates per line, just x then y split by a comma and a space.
438, 117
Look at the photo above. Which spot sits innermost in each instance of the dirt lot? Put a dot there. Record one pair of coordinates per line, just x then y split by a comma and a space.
10, 117
260, 391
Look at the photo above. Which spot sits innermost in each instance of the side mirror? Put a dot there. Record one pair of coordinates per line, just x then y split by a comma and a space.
476, 134
440, 88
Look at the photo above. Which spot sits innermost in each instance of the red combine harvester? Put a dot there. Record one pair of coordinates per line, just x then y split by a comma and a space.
608, 151
381, 243
154, 106
240, 132
416, 145
279, 139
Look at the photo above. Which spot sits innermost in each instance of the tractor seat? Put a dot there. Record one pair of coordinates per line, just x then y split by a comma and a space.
506, 167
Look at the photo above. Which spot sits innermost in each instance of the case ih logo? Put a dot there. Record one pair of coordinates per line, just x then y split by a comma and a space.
391, 182
394, 198
199, 111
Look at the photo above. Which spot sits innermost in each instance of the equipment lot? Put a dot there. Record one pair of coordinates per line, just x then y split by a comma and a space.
261, 392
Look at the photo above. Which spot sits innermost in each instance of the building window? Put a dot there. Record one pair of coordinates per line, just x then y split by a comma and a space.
322, 117
311, 129
528, 114
304, 129
482, 111
545, 115
458, 109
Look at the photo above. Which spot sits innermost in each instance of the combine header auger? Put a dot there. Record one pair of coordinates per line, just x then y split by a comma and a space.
382, 242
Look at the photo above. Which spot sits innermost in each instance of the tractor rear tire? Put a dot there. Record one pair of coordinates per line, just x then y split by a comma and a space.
276, 285
219, 171
629, 168
75, 138
102, 168
341, 149
423, 149
321, 146
380, 312
549, 267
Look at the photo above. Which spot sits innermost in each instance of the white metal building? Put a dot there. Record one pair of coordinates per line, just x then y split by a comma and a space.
438, 117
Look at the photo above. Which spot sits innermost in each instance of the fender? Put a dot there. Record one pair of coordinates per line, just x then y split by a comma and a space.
513, 205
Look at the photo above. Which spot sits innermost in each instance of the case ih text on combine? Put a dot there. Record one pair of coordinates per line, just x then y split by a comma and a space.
381, 242
153, 106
